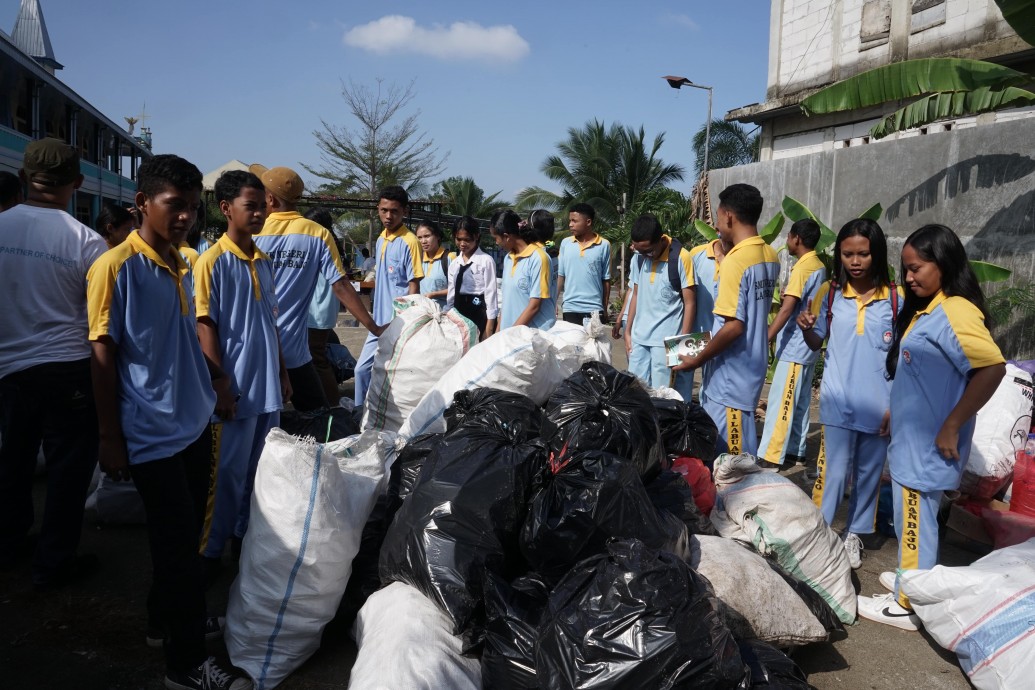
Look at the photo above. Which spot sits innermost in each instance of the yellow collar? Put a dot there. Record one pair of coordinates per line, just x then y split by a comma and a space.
596, 240
529, 249
931, 306
849, 292
751, 241
283, 215
229, 245
390, 235
178, 273
438, 254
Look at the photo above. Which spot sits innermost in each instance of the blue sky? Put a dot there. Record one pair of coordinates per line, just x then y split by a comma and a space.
498, 85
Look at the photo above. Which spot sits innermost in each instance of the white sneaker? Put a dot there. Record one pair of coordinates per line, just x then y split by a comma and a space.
887, 580
884, 608
854, 549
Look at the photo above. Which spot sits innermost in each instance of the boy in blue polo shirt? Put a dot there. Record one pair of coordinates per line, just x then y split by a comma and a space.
397, 273
787, 412
155, 392
657, 310
736, 358
584, 268
237, 327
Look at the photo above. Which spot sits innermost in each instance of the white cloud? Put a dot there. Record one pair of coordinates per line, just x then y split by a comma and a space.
682, 20
458, 41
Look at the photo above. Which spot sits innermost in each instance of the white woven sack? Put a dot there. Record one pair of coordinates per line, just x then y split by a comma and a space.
1001, 429
116, 502
772, 514
418, 345
518, 359
589, 343
405, 643
308, 510
984, 613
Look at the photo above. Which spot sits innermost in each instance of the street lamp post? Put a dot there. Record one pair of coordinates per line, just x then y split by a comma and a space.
680, 82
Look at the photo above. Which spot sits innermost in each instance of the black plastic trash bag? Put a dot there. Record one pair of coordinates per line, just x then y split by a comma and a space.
327, 424
480, 404
686, 430
670, 492
601, 408
595, 498
770, 668
512, 614
635, 618
463, 517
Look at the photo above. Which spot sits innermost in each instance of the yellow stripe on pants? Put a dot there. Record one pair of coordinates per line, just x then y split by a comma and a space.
910, 537
210, 502
821, 469
734, 430
785, 414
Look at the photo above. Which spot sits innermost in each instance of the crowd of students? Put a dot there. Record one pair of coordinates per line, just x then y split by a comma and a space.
124, 346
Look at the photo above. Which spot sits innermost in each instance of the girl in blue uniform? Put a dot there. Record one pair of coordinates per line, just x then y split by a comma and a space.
945, 366
527, 283
855, 314
435, 261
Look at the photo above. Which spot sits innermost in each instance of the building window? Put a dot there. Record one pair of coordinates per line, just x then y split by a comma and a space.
926, 14
876, 23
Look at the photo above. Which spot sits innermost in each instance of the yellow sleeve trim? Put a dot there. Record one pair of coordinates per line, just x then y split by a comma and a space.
415, 251
100, 288
544, 273
969, 326
203, 281
820, 298
688, 266
728, 297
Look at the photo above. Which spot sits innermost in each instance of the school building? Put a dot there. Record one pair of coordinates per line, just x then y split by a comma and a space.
34, 104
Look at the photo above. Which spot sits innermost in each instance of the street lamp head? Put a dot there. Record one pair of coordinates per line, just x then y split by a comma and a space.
677, 82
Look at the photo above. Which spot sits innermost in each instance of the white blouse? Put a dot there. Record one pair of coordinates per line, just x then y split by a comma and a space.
479, 279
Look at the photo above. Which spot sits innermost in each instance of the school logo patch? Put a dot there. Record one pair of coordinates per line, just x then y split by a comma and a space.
888, 337
908, 358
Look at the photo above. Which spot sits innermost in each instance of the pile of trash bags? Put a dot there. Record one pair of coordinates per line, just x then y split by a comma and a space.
524, 529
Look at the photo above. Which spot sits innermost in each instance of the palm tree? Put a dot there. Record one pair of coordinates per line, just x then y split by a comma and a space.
731, 144
597, 165
462, 197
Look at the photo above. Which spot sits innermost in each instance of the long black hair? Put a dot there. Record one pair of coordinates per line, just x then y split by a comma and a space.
869, 229
940, 245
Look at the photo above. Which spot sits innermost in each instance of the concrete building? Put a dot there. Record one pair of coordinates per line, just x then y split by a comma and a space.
34, 104
976, 175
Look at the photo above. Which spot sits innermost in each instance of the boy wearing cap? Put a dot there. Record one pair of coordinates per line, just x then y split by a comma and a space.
237, 326
301, 249
155, 393
398, 272
45, 392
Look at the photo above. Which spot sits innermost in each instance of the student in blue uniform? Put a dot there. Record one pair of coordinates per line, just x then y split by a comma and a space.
736, 358
323, 316
435, 261
657, 309
527, 288
855, 314
237, 326
584, 268
790, 393
706, 259
945, 367
542, 223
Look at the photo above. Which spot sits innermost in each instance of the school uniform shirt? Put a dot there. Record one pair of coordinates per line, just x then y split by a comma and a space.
526, 275
324, 307
942, 346
434, 276
855, 390
189, 254
479, 279
44, 258
236, 291
735, 377
146, 306
584, 270
398, 262
300, 250
806, 276
706, 276
659, 308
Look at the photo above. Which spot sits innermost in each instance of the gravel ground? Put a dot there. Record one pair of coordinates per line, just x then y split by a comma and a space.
91, 635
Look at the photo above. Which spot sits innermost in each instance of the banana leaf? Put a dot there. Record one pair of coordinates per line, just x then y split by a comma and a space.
1020, 15
795, 211
873, 212
909, 79
941, 106
708, 232
772, 229
989, 273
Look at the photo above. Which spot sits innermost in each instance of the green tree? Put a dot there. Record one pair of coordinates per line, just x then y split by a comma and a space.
597, 164
463, 197
731, 144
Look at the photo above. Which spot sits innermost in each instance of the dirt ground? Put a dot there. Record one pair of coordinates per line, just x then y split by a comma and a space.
91, 635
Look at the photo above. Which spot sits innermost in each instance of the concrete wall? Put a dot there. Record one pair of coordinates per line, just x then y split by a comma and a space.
980, 182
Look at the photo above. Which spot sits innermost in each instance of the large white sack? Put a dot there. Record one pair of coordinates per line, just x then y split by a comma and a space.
518, 359
115, 502
589, 343
984, 612
758, 604
1001, 429
405, 643
415, 349
308, 510
774, 515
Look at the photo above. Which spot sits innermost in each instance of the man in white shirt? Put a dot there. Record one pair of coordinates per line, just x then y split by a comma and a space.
45, 387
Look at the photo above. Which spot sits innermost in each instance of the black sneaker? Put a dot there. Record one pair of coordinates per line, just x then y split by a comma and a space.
213, 631
208, 676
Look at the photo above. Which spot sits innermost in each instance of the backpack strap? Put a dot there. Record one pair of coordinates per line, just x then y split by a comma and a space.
444, 260
830, 304
894, 302
674, 248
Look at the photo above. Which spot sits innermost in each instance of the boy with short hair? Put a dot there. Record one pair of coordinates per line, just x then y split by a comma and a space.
787, 412
155, 392
237, 326
584, 271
